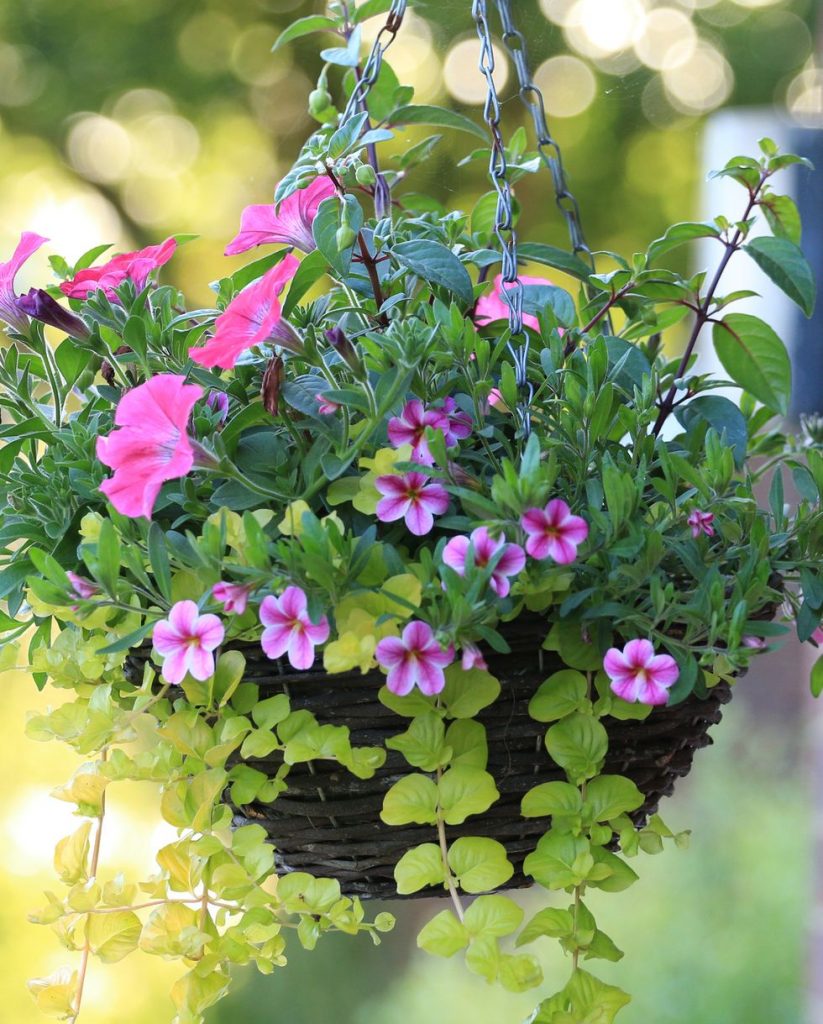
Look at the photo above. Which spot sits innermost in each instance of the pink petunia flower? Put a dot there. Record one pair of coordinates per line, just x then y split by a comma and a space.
233, 596
82, 587
553, 532
289, 630
325, 406
638, 675
817, 636
252, 318
701, 522
10, 312
472, 657
485, 548
493, 306
413, 496
415, 659
459, 423
186, 640
290, 225
128, 266
151, 446
410, 428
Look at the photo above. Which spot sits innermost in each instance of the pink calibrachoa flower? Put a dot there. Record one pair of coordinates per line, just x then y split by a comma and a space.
485, 548
151, 446
701, 522
553, 532
472, 657
638, 674
128, 266
186, 641
757, 643
414, 497
817, 636
10, 312
290, 225
289, 630
493, 306
325, 406
82, 587
459, 423
415, 659
410, 428
233, 596
251, 318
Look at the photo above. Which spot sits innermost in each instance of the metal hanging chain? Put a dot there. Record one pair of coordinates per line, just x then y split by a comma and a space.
547, 147
512, 290
368, 76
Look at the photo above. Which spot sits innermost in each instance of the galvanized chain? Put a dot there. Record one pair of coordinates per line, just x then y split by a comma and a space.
547, 147
512, 286
368, 76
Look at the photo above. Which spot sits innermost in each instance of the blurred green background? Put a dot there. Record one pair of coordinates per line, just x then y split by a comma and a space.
126, 120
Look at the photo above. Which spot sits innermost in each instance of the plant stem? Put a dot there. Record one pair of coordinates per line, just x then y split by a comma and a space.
374, 277
444, 856
595, 320
703, 312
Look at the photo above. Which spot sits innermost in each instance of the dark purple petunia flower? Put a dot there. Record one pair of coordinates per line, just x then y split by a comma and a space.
39, 305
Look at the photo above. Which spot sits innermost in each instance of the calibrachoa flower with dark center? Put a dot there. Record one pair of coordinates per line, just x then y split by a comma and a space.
128, 266
472, 657
459, 424
10, 311
151, 445
82, 587
186, 641
289, 225
412, 496
553, 532
701, 522
233, 596
252, 318
415, 659
638, 674
289, 630
484, 548
410, 428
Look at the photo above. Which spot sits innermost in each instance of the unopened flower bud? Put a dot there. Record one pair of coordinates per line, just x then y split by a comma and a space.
39, 305
344, 237
272, 384
365, 175
336, 337
319, 101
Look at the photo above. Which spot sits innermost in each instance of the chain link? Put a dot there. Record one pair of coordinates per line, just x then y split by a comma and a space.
512, 286
367, 78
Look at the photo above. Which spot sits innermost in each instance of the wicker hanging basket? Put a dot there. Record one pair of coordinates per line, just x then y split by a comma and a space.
328, 821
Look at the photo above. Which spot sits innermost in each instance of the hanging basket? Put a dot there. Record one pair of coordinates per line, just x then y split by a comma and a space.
328, 821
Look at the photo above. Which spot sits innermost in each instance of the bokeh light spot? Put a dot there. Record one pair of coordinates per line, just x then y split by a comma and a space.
462, 75
568, 84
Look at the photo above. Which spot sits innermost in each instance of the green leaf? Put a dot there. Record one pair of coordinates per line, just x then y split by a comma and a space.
311, 269
480, 865
419, 867
444, 935
607, 796
271, 711
720, 413
817, 677
437, 265
464, 791
304, 26
560, 860
413, 799
560, 695
370, 9
324, 228
413, 704
784, 263
468, 692
229, 671
493, 916
347, 56
159, 559
620, 876
578, 744
603, 948
559, 259
519, 973
423, 744
552, 922
679, 234
585, 999
113, 936
439, 116
108, 557
468, 743
755, 359
552, 798
783, 216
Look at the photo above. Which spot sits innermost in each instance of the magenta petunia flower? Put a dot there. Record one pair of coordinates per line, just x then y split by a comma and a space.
10, 312
128, 266
325, 406
459, 423
151, 446
485, 548
472, 657
289, 630
82, 587
289, 225
186, 641
701, 522
638, 675
415, 659
410, 428
252, 318
414, 497
553, 532
233, 596
493, 306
